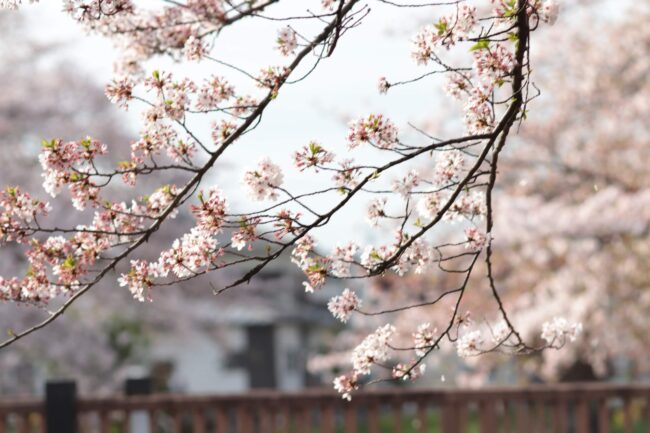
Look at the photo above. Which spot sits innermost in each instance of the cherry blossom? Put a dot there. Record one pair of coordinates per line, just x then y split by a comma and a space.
342, 259
190, 254
120, 91
550, 11
376, 211
312, 155
374, 130
373, 349
194, 48
213, 92
140, 279
246, 234
426, 187
424, 338
383, 85
405, 185
475, 239
211, 211
469, 344
287, 41
345, 384
559, 330
342, 306
408, 371
262, 182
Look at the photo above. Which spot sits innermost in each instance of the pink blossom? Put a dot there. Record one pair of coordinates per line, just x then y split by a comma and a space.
469, 344
194, 48
189, 255
376, 211
346, 384
373, 349
559, 330
342, 258
211, 211
120, 91
312, 155
424, 338
262, 182
214, 91
476, 240
140, 279
409, 371
374, 130
342, 306
550, 11
246, 234
383, 85
406, 184
429, 205
286, 41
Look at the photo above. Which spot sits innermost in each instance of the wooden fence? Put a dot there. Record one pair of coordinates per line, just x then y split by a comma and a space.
575, 408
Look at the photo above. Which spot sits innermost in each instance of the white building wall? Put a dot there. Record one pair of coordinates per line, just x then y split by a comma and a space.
289, 357
199, 361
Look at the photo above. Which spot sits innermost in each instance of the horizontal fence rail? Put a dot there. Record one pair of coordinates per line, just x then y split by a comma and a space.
575, 408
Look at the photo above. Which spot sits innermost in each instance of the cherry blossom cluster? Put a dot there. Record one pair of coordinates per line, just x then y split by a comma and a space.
316, 268
16, 209
287, 41
342, 306
424, 338
192, 254
443, 181
476, 240
412, 370
559, 330
312, 155
373, 349
494, 58
469, 344
210, 213
342, 259
375, 130
247, 233
262, 182
71, 164
12, 4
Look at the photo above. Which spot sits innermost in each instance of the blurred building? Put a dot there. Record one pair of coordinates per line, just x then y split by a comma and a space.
261, 340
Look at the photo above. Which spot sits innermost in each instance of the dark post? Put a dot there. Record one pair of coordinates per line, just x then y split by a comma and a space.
61, 407
139, 421
139, 386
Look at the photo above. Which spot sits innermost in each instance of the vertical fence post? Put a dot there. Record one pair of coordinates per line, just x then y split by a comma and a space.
450, 415
139, 421
61, 407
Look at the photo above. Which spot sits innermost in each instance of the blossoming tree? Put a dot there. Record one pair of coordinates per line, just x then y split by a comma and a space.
483, 50
33, 107
563, 219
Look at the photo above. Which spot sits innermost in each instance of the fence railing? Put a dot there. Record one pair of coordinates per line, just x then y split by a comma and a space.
575, 408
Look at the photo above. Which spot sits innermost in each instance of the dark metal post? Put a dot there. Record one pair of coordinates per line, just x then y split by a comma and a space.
139, 386
61, 407
139, 420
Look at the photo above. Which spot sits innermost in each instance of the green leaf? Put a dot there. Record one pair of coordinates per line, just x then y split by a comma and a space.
480, 45
69, 262
314, 148
441, 25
